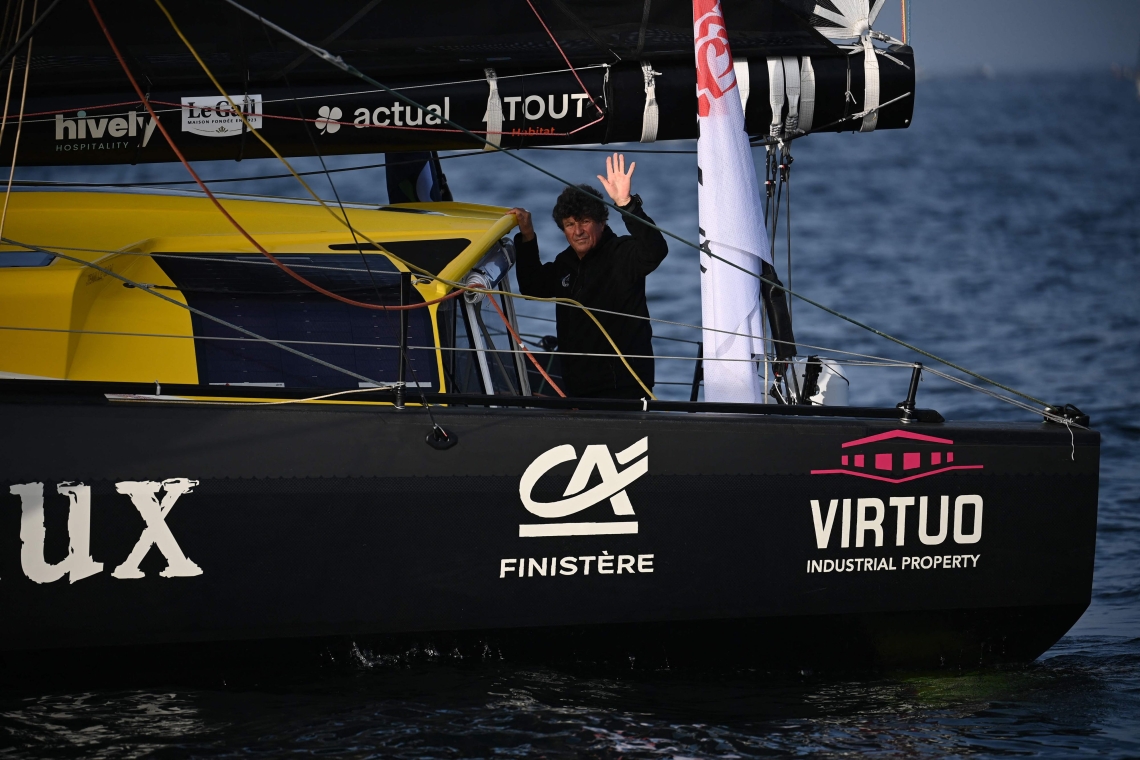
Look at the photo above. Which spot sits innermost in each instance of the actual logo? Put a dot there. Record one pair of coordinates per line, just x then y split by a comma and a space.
874, 459
576, 497
329, 119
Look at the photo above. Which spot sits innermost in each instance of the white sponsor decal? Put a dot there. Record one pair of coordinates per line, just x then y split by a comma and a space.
612, 487
329, 120
861, 523
398, 115
84, 133
874, 564
870, 513
604, 563
211, 116
144, 495
79, 564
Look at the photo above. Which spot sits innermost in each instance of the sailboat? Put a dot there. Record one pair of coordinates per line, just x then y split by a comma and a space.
228, 419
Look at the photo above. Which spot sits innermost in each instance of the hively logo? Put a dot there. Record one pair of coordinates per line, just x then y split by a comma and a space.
886, 462
212, 116
612, 487
89, 133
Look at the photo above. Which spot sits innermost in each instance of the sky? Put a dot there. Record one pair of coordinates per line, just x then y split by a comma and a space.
1019, 35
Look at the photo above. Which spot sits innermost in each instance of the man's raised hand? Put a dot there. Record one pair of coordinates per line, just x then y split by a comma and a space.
526, 227
617, 179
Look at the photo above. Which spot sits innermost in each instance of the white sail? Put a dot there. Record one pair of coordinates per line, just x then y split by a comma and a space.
731, 220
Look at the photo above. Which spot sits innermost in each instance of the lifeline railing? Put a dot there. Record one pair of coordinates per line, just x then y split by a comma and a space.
857, 359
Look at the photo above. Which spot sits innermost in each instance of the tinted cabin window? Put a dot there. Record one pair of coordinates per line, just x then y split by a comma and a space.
253, 293
25, 259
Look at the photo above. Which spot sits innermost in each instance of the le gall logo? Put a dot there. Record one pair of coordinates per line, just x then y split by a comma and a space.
576, 498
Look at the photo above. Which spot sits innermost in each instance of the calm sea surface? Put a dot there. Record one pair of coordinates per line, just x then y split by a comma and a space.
1002, 231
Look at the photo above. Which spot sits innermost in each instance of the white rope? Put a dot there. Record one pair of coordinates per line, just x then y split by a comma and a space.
494, 115
776, 96
650, 116
1019, 404
870, 86
657, 320
792, 88
807, 94
242, 402
341, 344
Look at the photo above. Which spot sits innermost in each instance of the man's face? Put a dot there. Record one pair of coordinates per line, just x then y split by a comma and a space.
582, 234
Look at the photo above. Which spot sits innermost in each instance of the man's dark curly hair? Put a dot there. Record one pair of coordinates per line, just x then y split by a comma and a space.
581, 202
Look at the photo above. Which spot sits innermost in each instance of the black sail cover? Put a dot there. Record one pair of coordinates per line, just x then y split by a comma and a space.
463, 61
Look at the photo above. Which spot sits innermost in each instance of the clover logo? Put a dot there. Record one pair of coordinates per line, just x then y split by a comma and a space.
329, 119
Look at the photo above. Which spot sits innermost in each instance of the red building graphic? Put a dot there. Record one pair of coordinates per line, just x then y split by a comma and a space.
896, 457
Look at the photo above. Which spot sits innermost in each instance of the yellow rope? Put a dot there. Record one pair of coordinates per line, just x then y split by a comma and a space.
241, 115
344, 219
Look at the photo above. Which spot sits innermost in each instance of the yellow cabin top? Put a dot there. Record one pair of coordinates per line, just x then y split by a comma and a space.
60, 319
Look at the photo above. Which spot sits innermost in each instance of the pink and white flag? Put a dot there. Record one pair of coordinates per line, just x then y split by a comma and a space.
731, 220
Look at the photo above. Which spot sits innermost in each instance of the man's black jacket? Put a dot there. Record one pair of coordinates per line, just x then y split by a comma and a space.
611, 277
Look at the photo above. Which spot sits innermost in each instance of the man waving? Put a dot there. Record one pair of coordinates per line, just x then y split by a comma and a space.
601, 271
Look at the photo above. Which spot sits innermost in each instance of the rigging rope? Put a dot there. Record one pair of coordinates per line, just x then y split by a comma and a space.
562, 53
338, 62
568, 302
529, 355
304, 184
216, 202
26, 35
216, 180
887, 364
252, 402
11, 72
20, 123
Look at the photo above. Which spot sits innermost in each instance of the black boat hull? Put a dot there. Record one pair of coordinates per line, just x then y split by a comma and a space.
688, 535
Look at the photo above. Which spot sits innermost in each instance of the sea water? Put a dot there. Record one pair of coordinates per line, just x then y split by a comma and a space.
1001, 232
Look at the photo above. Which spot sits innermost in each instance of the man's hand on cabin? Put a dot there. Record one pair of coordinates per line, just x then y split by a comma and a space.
617, 179
526, 227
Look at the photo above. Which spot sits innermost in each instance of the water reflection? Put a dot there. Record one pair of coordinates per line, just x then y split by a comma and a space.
1085, 698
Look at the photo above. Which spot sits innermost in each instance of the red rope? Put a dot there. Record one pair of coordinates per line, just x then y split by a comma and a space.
82, 108
522, 345
234, 222
563, 54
